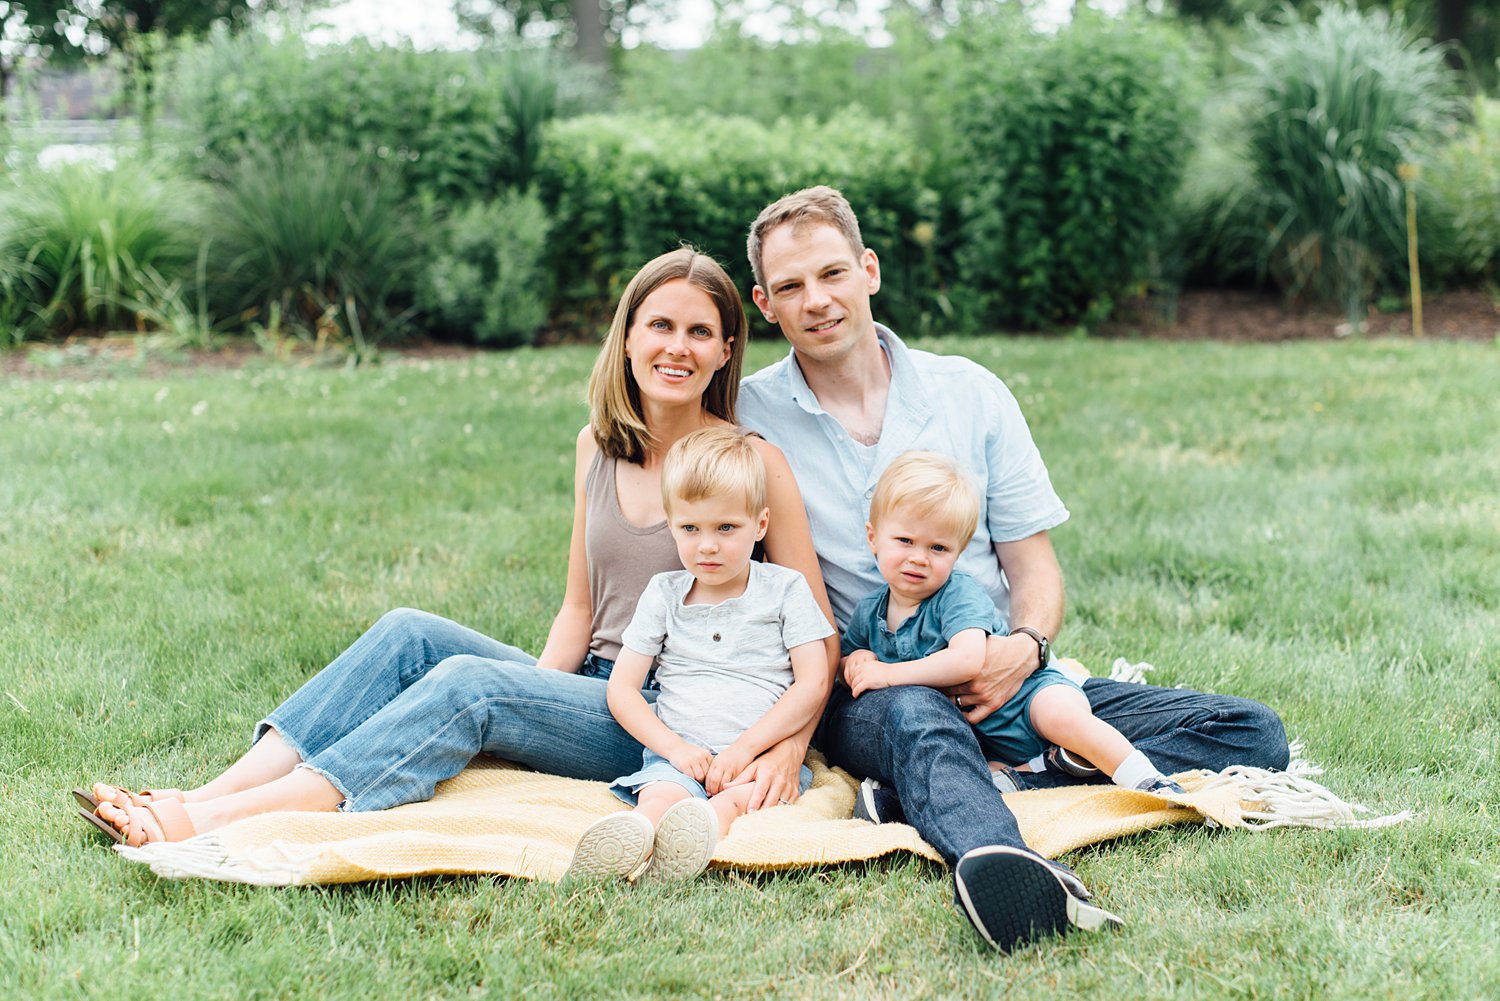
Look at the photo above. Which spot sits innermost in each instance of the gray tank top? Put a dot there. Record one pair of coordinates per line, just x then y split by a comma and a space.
622, 557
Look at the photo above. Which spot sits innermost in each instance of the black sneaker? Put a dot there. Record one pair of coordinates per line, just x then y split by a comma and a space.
877, 804
1013, 897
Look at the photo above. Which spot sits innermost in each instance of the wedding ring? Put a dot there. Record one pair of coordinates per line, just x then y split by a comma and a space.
958, 700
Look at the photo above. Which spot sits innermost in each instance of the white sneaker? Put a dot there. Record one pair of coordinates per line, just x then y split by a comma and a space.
685, 841
612, 848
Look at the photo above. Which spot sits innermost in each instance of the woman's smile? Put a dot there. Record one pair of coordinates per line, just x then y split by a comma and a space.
676, 343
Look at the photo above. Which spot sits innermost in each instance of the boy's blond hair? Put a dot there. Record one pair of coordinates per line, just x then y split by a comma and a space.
931, 486
714, 462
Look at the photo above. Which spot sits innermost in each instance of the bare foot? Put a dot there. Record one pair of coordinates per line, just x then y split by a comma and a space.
122, 797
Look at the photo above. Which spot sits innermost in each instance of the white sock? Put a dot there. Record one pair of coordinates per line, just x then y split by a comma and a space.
1038, 764
1135, 771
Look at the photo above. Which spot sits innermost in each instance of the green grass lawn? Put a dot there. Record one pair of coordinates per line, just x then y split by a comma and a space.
1315, 524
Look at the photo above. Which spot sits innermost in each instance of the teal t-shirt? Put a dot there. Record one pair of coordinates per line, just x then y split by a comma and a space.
962, 603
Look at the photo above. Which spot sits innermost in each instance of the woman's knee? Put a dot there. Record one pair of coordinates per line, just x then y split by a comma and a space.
405, 622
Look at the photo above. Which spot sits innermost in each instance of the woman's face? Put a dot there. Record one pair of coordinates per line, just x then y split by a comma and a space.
675, 343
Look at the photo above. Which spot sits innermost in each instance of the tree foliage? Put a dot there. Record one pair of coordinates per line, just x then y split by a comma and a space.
591, 27
1470, 27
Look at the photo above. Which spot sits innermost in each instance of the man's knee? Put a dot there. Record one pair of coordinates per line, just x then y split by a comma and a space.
915, 710
1264, 743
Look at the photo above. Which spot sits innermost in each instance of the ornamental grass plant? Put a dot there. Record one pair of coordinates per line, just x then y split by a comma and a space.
1335, 105
316, 237
79, 242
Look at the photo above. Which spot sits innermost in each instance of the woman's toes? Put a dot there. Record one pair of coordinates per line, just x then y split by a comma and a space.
139, 826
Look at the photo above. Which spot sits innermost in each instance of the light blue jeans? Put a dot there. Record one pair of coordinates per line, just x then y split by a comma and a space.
415, 698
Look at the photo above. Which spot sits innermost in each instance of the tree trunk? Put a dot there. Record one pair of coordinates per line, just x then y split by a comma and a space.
588, 22
1449, 27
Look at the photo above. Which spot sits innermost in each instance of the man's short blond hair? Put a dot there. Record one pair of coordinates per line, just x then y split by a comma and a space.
810, 206
714, 462
932, 487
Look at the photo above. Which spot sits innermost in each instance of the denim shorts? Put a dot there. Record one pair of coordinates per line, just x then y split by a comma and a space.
1007, 734
655, 768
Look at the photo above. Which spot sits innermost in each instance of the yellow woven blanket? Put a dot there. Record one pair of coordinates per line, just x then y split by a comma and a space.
500, 818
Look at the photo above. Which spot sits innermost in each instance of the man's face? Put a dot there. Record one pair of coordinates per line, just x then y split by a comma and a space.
818, 291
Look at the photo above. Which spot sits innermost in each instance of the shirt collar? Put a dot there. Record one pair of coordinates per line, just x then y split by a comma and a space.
904, 386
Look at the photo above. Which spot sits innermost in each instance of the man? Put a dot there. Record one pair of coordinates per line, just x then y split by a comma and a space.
847, 400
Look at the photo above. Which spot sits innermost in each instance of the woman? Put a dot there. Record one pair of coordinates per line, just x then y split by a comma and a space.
417, 696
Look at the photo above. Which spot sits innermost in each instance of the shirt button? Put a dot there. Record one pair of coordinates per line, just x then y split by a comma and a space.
716, 637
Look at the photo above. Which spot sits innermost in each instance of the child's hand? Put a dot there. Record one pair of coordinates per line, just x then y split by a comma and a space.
727, 765
863, 673
690, 759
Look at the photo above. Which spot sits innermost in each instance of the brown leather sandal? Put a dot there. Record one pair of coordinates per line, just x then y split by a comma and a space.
170, 815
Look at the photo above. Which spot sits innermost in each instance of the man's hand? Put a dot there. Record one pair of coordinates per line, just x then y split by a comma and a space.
862, 672
776, 775
690, 759
1008, 661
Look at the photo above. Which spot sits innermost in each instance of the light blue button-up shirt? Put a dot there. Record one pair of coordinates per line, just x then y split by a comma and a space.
938, 403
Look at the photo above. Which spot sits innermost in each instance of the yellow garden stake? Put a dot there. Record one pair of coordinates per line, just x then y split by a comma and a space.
1408, 173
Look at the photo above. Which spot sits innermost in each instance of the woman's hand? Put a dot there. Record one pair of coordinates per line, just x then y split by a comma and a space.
863, 673
776, 775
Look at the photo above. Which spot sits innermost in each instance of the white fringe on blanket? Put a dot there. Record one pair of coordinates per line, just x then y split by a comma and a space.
1287, 798
203, 857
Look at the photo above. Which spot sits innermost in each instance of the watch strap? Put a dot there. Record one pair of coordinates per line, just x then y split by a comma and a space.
1043, 645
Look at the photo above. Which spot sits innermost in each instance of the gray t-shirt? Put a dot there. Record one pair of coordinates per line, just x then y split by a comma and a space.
721, 667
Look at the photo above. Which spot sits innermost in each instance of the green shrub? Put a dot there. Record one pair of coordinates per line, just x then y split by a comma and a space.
737, 74
1459, 203
77, 240
1071, 148
457, 126
316, 239
1335, 106
1216, 231
486, 280
622, 189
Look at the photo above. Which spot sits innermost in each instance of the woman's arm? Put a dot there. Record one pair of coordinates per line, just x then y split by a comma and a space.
572, 627
789, 543
802, 701
957, 663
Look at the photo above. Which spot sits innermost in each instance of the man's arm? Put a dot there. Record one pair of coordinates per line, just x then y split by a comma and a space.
1036, 600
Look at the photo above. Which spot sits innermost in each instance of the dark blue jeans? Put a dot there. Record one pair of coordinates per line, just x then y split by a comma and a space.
915, 741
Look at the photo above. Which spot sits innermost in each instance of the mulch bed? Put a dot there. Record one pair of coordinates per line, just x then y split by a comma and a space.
1200, 314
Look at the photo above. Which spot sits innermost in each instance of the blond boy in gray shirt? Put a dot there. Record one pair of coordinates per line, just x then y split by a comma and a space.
740, 661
